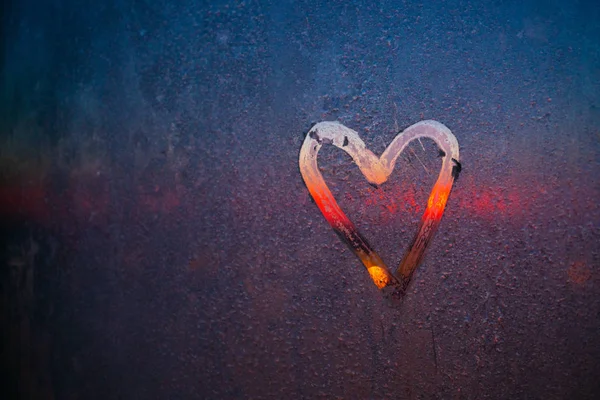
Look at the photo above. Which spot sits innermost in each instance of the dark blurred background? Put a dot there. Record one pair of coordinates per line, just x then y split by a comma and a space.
157, 240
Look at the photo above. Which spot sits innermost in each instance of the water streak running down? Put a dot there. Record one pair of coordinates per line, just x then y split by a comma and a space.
377, 170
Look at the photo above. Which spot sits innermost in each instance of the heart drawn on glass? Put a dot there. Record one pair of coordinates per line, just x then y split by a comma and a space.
377, 170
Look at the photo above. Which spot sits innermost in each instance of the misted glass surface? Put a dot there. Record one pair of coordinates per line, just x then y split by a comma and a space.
159, 242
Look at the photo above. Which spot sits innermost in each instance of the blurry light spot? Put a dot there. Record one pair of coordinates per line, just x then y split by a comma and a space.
579, 272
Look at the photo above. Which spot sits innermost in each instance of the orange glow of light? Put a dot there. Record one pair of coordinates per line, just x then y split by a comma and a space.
437, 201
379, 276
327, 204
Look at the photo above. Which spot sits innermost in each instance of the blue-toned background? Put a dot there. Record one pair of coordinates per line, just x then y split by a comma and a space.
158, 240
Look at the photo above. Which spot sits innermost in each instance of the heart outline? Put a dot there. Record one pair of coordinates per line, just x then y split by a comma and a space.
377, 170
